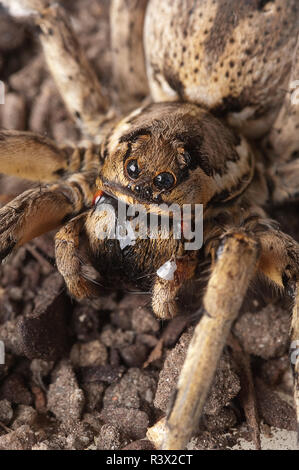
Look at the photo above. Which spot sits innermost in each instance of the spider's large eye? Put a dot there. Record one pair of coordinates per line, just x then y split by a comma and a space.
133, 169
164, 180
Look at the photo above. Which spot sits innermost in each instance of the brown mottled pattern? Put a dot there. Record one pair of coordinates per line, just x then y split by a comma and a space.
229, 14
225, 55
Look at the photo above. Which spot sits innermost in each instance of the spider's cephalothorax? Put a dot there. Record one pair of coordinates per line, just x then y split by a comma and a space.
175, 153
219, 72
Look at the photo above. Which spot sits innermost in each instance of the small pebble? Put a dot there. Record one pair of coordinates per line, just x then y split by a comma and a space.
65, 398
6, 411
92, 354
21, 439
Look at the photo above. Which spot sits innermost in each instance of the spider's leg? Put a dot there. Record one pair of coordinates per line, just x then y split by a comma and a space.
294, 354
30, 156
72, 263
235, 267
126, 24
66, 59
279, 261
37, 158
284, 180
165, 292
42, 209
283, 140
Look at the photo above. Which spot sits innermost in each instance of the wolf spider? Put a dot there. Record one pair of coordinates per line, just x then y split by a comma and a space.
219, 129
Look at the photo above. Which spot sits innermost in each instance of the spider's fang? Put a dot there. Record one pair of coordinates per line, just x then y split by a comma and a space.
97, 196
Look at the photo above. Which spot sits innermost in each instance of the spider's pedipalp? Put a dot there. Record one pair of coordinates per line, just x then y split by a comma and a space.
226, 289
71, 262
165, 291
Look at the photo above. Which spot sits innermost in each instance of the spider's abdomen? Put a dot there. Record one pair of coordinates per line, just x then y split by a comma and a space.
229, 56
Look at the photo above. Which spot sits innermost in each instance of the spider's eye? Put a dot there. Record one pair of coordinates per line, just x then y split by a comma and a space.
133, 169
164, 180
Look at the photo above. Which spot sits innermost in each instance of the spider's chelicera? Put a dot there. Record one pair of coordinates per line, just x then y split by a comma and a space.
135, 222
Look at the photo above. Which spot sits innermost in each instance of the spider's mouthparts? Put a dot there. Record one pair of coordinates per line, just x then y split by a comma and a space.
97, 197
102, 197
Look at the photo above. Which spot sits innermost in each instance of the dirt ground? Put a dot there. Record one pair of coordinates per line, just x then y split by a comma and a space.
98, 374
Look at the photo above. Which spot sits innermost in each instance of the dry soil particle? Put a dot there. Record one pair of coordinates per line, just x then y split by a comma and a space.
264, 334
134, 389
24, 415
65, 398
109, 438
21, 439
220, 422
13, 388
212, 441
79, 437
272, 371
93, 353
44, 333
93, 393
132, 422
225, 387
6, 412
142, 444
134, 355
171, 369
143, 321
273, 410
